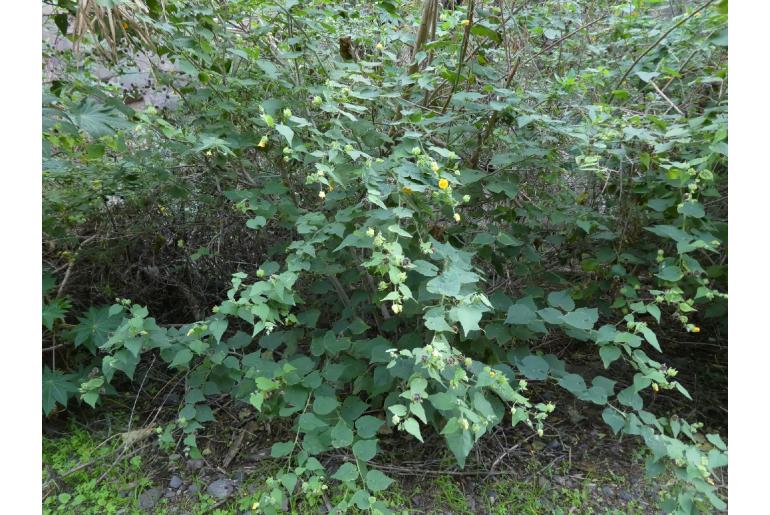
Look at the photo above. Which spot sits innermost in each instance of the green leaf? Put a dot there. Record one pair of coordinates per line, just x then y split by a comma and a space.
671, 273
269, 68
97, 120
217, 328
286, 132
651, 338
443, 401
629, 397
365, 450
692, 208
425, 268
646, 76
609, 353
435, 321
182, 358
481, 30
308, 423
368, 426
342, 435
346, 472
53, 312
654, 310
57, 387
323, 405
574, 383
281, 449
583, 318
669, 231
716, 441
460, 443
519, 314
561, 299
256, 222
468, 315
551, 316
412, 427
614, 419
288, 480
534, 368
450, 281
376, 481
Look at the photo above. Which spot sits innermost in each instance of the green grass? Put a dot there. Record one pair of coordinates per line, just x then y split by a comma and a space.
126, 479
86, 494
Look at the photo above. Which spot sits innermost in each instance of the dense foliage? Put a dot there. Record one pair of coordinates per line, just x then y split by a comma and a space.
407, 196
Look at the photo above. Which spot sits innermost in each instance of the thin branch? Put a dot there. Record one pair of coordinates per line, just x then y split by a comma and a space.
474, 160
461, 58
69, 267
661, 38
660, 92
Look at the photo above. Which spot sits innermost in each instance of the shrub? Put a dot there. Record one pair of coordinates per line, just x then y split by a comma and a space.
423, 221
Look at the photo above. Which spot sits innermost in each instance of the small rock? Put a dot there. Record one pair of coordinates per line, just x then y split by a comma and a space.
149, 498
607, 491
625, 495
169, 493
554, 445
194, 464
192, 489
221, 488
175, 482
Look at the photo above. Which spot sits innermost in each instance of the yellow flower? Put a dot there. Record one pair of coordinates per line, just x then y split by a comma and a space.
457, 217
322, 194
262, 142
407, 190
465, 22
125, 25
655, 387
443, 184
379, 46
696, 329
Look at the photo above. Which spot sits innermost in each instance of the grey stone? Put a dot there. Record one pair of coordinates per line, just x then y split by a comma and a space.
192, 489
221, 488
175, 482
194, 464
625, 495
149, 498
607, 491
